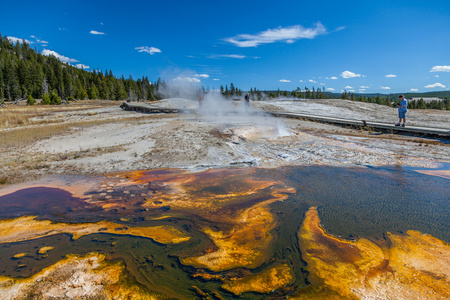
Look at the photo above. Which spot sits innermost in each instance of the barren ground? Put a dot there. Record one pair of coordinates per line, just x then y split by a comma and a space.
96, 137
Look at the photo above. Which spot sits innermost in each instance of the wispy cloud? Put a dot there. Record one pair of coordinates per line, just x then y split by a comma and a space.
239, 56
348, 87
437, 76
39, 41
14, 40
62, 29
413, 90
216, 79
187, 79
390, 76
312, 81
287, 34
330, 89
364, 87
361, 90
385, 88
300, 80
284, 80
440, 69
58, 56
333, 77
150, 50
81, 66
97, 32
436, 85
202, 75
348, 74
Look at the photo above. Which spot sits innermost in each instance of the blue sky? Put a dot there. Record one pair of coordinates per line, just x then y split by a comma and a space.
361, 46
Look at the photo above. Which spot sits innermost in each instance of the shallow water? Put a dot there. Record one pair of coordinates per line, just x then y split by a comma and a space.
355, 202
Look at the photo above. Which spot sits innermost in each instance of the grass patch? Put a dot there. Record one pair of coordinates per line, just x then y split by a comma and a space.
26, 136
23, 115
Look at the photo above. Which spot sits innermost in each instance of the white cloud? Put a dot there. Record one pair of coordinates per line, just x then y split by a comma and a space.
228, 56
414, 90
202, 75
81, 66
187, 79
287, 34
333, 77
313, 81
348, 87
322, 83
390, 76
437, 76
300, 80
440, 69
340, 28
14, 40
58, 56
437, 84
348, 74
284, 80
364, 87
351, 91
362, 90
61, 29
216, 79
385, 88
330, 89
150, 50
97, 32
39, 41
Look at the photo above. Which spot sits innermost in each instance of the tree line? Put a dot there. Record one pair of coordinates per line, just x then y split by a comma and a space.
27, 74
256, 94
387, 100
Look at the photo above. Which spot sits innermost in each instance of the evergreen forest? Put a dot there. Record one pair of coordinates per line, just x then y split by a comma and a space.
27, 74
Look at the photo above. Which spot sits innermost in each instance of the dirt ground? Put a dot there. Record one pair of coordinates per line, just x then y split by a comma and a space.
100, 137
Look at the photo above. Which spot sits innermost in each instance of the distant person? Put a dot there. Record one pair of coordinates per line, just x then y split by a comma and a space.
402, 109
200, 100
247, 101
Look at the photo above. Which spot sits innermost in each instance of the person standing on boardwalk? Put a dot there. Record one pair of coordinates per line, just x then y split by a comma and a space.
402, 109
247, 100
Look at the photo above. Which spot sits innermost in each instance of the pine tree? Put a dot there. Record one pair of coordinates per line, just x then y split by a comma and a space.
45, 99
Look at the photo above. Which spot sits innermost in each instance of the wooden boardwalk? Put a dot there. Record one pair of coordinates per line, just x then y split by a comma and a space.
362, 124
150, 109
371, 125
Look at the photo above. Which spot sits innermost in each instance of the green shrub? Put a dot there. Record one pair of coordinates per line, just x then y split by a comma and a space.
45, 99
30, 100
54, 99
